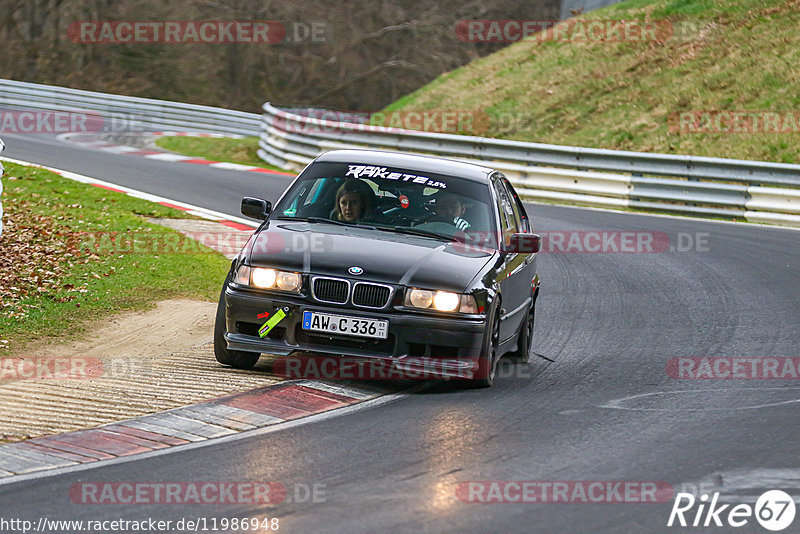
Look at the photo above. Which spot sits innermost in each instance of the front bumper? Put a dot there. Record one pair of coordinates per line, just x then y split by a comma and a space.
417, 344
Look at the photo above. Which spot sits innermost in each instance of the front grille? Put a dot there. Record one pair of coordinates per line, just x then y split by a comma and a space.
371, 295
331, 290
379, 346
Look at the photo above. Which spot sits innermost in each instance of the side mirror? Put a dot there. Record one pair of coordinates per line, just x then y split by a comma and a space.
256, 208
525, 243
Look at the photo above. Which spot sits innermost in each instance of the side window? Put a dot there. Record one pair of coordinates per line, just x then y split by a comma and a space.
314, 192
519, 211
304, 197
508, 222
500, 210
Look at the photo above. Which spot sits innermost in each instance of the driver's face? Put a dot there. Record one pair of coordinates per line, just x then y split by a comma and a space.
351, 207
449, 206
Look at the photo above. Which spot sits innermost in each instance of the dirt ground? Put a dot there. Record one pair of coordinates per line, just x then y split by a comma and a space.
134, 364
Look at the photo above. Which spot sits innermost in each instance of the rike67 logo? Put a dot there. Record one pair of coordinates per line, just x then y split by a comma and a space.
774, 510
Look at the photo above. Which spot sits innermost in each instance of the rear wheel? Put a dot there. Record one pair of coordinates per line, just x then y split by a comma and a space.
525, 336
234, 358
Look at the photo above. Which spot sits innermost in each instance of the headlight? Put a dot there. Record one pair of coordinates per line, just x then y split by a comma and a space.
444, 301
269, 278
288, 281
419, 298
243, 276
440, 300
263, 278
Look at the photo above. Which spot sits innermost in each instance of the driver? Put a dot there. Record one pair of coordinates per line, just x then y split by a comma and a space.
450, 208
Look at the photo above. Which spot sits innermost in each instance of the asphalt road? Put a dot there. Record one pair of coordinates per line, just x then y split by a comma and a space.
207, 187
604, 409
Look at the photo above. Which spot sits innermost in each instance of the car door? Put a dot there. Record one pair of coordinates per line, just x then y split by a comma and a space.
508, 276
527, 278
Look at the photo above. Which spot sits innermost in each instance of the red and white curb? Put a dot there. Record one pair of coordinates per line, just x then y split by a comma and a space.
236, 223
89, 140
258, 410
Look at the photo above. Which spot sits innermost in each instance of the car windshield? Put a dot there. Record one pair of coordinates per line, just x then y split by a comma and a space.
390, 199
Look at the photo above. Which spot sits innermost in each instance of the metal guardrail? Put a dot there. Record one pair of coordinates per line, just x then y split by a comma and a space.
757, 191
147, 112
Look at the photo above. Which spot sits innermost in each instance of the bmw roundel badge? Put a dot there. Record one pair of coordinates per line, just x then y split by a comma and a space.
355, 270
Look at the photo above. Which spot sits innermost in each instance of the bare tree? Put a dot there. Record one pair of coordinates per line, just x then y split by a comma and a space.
369, 54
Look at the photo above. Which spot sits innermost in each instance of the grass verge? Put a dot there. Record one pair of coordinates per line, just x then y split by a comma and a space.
71, 253
243, 151
629, 94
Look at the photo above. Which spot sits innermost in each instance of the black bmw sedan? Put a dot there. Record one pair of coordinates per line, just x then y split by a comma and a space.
426, 264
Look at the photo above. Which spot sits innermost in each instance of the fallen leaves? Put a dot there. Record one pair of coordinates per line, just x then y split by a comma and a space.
36, 254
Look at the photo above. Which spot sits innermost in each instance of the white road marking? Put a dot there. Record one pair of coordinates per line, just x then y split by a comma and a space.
89, 180
120, 149
618, 404
168, 157
232, 166
204, 215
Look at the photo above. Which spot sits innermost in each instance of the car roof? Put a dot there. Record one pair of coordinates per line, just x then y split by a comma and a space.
382, 158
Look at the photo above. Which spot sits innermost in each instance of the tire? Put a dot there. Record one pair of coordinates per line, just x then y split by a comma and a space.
525, 336
234, 358
487, 361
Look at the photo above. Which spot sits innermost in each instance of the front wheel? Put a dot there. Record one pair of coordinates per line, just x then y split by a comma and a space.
234, 358
487, 361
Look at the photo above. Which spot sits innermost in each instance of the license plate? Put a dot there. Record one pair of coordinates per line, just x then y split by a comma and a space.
343, 324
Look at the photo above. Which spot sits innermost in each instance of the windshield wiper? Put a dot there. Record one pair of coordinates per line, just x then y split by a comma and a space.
397, 229
312, 220
326, 220
458, 237
367, 226
414, 231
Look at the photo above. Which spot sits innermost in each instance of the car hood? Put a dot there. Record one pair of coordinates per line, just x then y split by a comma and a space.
386, 257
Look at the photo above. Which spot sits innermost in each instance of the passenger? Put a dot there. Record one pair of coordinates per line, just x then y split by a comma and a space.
354, 200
